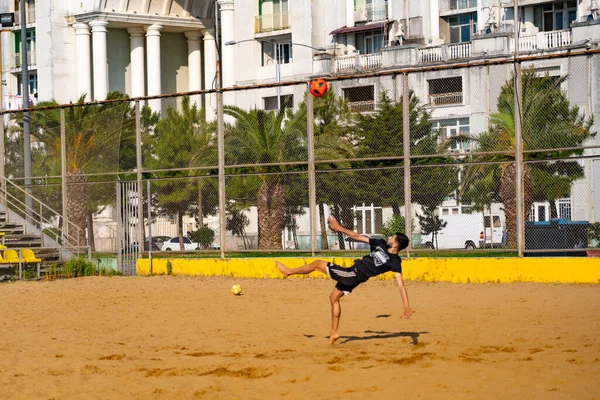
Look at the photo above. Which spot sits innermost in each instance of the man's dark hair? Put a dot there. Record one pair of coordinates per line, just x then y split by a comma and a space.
402, 240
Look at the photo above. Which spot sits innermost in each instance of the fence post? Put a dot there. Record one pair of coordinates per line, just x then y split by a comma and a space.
2, 161
149, 231
312, 192
221, 155
63, 175
518, 105
119, 228
406, 160
140, 192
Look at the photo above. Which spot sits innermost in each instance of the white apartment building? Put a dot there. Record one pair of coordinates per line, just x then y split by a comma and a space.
150, 47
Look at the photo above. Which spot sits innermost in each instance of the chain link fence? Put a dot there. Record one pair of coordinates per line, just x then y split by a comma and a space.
499, 157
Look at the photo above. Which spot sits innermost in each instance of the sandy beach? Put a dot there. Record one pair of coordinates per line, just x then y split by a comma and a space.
189, 337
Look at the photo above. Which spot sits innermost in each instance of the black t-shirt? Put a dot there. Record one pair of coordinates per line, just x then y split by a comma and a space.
378, 261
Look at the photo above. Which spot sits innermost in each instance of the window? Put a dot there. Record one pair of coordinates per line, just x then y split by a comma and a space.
270, 50
555, 16
564, 208
368, 219
287, 101
30, 40
447, 128
266, 7
462, 27
360, 99
33, 84
369, 42
445, 91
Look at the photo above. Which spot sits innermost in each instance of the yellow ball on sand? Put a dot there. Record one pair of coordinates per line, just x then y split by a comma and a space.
236, 289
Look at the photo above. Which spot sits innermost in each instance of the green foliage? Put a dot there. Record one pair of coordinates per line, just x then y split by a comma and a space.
78, 267
431, 223
204, 236
594, 233
169, 267
395, 224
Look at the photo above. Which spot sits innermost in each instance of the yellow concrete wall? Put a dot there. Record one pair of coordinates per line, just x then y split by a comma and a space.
457, 270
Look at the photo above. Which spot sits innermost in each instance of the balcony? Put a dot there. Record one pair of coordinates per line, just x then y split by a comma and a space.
30, 17
272, 22
452, 5
443, 99
358, 63
376, 11
545, 40
15, 61
445, 52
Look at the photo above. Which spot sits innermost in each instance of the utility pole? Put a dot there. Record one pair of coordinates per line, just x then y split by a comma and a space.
26, 126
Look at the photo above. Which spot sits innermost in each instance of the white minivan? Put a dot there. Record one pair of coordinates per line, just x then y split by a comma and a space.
466, 231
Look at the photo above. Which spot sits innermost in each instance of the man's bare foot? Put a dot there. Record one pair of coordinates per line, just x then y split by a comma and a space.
283, 269
333, 338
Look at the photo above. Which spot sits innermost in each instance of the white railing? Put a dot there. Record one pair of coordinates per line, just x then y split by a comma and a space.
272, 22
431, 54
370, 61
458, 51
371, 12
15, 62
362, 106
545, 40
30, 17
345, 64
360, 62
441, 99
457, 4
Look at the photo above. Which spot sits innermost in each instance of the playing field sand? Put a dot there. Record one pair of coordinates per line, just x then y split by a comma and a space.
180, 338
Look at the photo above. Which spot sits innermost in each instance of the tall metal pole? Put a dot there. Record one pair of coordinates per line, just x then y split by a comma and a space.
278, 74
221, 155
140, 190
518, 111
26, 128
63, 173
312, 192
406, 141
2, 161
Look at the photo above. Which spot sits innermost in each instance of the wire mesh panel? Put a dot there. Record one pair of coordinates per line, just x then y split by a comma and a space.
266, 126
267, 211
101, 220
369, 202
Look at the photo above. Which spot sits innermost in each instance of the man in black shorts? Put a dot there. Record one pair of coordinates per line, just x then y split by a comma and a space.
383, 258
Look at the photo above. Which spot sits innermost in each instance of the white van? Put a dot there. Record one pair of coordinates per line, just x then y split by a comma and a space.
466, 231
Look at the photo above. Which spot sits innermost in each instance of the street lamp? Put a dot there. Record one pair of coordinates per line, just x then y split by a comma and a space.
277, 56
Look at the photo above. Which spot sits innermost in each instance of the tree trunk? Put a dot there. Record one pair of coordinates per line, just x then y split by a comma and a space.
90, 230
200, 210
324, 244
77, 204
508, 191
271, 212
340, 235
180, 230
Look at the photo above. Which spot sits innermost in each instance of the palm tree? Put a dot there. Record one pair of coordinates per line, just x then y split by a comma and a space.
264, 137
94, 135
548, 122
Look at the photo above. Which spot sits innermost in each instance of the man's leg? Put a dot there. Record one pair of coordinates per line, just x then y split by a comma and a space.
336, 312
317, 265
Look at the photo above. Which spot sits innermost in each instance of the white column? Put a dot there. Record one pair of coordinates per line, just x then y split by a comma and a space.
99, 55
227, 34
194, 64
434, 22
153, 65
349, 13
210, 71
84, 66
138, 69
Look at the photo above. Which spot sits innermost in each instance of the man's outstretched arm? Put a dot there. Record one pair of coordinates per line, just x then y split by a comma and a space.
335, 225
407, 310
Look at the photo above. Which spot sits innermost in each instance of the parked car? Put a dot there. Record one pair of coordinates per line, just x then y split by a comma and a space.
157, 242
466, 231
173, 244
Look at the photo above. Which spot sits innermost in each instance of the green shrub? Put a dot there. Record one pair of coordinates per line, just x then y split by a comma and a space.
169, 267
204, 236
77, 267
